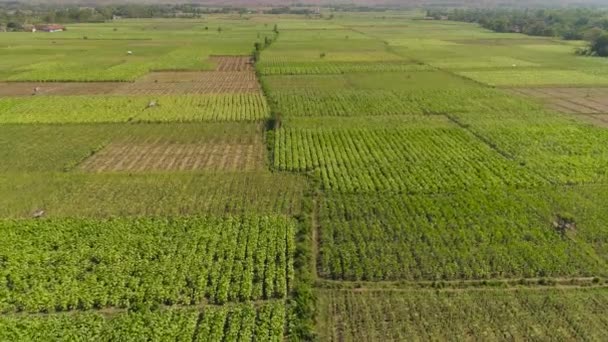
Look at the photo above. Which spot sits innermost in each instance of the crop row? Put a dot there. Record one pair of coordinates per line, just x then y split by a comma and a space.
411, 160
384, 102
243, 322
536, 77
488, 315
103, 195
561, 152
463, 235
80, 72
326, 68
50, 147
78, 109
58, 265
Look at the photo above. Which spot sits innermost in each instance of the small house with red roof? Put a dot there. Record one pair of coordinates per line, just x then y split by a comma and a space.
50, 28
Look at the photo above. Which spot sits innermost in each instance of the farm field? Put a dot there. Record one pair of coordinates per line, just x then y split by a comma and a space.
492, 314
249, 177
571, 100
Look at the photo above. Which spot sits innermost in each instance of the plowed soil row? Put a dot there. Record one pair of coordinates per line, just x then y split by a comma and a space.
169, 83
58, 88
570, 100
232, 63
131, 157
233, 74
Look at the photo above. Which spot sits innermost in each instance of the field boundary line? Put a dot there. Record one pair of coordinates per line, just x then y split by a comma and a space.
480, 137
315, 237
497, 283
113, 310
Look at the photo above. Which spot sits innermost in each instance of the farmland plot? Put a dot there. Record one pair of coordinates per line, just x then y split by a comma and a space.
570, 100
328, 68
497, 315
243, 322
152, 108
463, 235
561, 152
398, 93
29, 148
403, 160
57, 88
85, 264
232, 63
163, 156
168, 194
370, 102
188, 83
186, 146
536, 77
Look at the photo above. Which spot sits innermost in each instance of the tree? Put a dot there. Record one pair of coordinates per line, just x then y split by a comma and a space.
600, 45
592, 34
14, 26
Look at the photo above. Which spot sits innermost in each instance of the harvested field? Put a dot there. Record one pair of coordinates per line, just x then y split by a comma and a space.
183, 83
570, 100
232, 63
164, 156
57, 88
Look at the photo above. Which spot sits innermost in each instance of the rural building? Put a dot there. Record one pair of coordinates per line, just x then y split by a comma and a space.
50, 28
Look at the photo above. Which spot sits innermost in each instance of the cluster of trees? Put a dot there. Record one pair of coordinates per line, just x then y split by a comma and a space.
569, 23
13, 17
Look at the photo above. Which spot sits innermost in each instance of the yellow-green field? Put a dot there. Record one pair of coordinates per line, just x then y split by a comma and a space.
366, 176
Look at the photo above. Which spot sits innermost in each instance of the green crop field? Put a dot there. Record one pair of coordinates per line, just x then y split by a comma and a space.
495, 315
76, 109
337, 176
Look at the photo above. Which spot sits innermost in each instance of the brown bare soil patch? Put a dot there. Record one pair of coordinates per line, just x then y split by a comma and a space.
570, 100
600, 119
182, 83
232, 63
166, 156
57, 88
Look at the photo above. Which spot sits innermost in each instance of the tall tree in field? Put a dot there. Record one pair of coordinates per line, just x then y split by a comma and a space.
600, 45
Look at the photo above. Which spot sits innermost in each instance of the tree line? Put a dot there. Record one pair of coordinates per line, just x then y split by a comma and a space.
14, 16
588, 24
